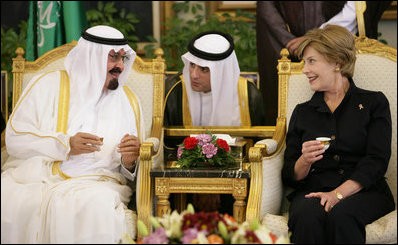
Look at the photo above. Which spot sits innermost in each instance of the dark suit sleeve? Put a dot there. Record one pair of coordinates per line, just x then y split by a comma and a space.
372, 168
374, 11
292, 151
256, 105
173, 101
270, 17
172, 115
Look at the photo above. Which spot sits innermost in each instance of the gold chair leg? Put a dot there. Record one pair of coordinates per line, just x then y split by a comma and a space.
163, 205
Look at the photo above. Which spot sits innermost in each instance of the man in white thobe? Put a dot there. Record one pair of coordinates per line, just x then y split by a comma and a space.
72, 140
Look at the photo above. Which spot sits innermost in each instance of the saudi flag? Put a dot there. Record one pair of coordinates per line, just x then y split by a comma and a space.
53, 23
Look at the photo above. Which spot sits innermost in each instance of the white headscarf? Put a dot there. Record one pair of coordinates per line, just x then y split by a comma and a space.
224, 76
105, 113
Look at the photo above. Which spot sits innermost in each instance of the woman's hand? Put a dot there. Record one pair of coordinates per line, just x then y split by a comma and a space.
328, 199
312, 151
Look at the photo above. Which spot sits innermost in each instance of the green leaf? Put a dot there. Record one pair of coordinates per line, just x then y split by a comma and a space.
254, 224
142, 229
154, 222
122, 13
151, 39
186, 8
109, 7
190, 208
100, 6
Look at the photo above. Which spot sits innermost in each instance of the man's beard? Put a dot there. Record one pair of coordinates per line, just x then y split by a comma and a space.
113, 84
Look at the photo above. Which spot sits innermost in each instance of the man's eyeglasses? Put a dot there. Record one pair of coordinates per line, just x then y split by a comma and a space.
116, 57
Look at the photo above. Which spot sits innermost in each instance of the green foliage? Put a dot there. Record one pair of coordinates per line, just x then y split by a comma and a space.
10, 41
108, 15
180, 31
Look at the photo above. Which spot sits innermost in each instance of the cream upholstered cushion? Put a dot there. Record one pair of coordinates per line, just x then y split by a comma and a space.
271, 145
131, 220
380, 74
142, 85
276, 223
272, 191
383, 230
53, 66
298, 91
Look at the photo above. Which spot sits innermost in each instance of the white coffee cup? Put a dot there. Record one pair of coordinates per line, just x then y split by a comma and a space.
325, 141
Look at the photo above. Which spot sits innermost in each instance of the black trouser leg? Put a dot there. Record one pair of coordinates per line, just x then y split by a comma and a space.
345, 223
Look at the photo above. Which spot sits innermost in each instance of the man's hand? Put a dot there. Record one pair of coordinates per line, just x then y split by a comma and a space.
207, 202
82, 143
129, 147
293, 44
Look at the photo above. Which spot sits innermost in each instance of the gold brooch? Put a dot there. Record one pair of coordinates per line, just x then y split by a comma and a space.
360, 106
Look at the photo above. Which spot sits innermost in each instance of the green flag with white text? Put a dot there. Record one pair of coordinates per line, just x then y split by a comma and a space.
53, 23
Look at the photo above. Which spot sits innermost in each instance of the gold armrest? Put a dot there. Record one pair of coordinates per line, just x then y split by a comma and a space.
145, 195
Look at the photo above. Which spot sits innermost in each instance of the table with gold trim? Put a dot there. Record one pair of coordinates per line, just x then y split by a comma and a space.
211, 181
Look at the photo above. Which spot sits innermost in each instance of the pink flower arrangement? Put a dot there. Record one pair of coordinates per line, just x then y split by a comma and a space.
204, 150
209, 150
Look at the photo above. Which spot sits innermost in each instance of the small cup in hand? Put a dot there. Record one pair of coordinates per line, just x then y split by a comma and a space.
325, 141
102, 141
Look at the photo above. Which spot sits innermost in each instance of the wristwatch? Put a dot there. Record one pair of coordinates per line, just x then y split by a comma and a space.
338, 194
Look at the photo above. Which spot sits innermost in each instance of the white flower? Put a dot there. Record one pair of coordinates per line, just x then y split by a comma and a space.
282, 240
263, 233
172, 224
239, 236
202, 239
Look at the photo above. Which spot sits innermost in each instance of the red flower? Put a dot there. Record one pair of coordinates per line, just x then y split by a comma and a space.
223, 144
251, 237
190, 142
273, 237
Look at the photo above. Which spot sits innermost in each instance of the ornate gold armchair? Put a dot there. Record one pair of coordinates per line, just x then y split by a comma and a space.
376, 69
146, 81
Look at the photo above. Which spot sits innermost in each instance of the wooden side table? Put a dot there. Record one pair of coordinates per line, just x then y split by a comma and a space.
233, 182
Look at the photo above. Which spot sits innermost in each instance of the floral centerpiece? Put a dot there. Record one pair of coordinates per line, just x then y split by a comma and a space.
204, 150
204, 228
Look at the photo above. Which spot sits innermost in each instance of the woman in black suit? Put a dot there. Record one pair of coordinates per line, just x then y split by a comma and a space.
337, 191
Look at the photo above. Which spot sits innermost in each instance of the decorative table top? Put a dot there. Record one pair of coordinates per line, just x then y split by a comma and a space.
200, 173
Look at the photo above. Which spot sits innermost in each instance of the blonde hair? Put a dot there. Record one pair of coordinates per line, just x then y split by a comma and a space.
335, 43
